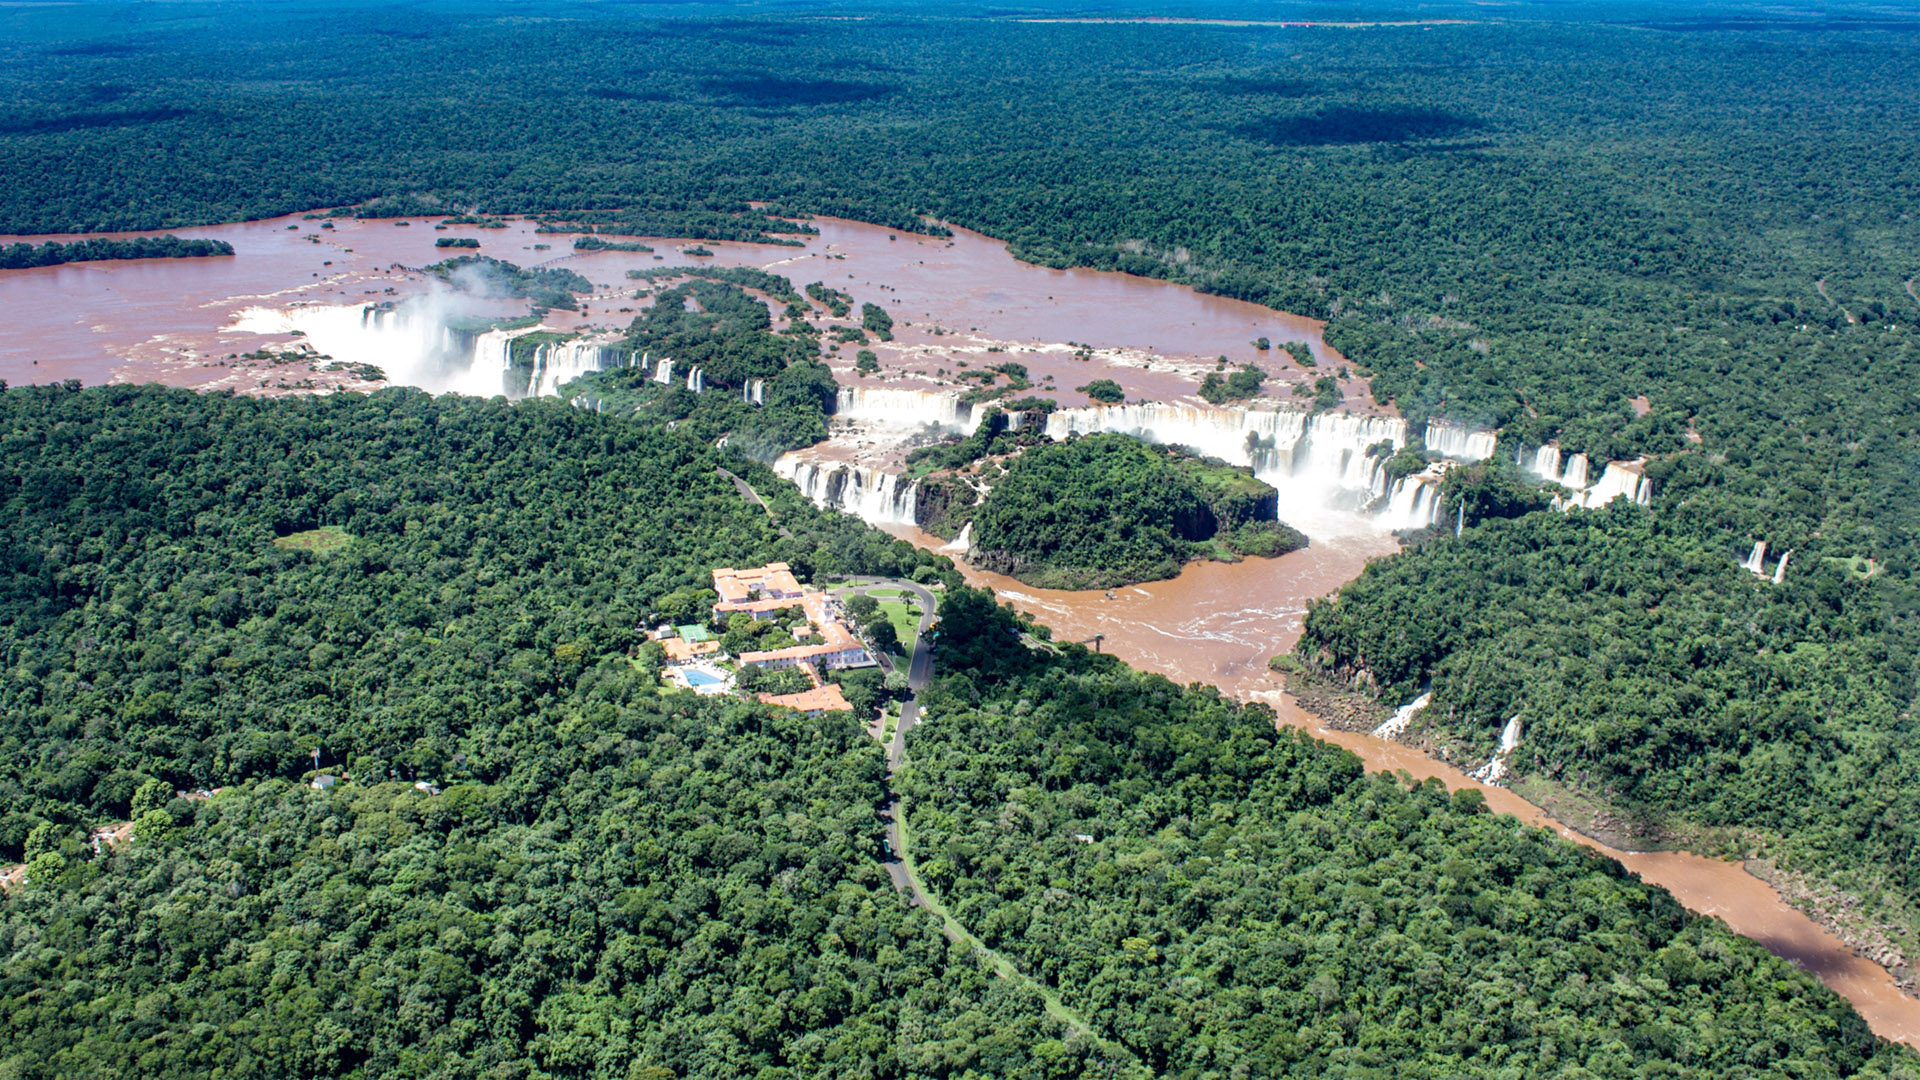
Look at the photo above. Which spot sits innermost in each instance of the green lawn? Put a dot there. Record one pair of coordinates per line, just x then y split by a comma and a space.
905, 617
322, 541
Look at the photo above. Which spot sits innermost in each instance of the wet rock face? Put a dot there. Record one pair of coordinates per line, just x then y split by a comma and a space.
939, 502
1342, 707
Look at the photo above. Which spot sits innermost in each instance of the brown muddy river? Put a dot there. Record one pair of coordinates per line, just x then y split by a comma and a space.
958, 301
963, 299
1219, 623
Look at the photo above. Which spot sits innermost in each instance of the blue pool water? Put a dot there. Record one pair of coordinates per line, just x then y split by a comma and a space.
701, 678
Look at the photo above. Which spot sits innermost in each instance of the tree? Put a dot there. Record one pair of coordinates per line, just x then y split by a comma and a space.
882, 636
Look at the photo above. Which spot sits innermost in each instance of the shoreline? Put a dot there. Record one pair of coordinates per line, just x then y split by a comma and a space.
1355, 714
1731, 891
1217, 639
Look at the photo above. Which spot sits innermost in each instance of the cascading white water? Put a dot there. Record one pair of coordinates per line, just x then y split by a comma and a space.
1319, 464
561, 362
696, 381
1617, 479
1402, 716
414, 345
1413, 502
754, 392
1496, 767
1576, 475
411, 343
663, 370
1460, 443
905, 408
870, 494
959, 544
1756, 559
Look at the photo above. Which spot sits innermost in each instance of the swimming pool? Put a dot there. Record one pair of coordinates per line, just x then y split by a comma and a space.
701, 678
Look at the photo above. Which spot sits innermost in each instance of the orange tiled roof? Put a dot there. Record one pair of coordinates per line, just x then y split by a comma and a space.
834, 638
737, 586
826, 698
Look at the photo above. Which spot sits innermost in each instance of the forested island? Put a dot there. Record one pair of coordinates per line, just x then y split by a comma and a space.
711, 322
1106, 510
552, 287
52, 253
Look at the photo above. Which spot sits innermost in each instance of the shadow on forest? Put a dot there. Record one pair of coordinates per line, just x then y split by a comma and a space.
764, 90
85, 120
1340, 124
615, 93
97, 48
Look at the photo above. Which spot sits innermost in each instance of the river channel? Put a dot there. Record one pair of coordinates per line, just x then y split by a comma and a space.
1220, 623
953, 299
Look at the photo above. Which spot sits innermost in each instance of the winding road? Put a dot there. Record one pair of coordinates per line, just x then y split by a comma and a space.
900, 864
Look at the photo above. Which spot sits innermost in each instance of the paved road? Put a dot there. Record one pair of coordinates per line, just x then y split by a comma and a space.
920, 666
746, 492
919, 670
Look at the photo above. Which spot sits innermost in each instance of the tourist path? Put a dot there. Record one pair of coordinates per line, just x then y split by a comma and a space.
900, 865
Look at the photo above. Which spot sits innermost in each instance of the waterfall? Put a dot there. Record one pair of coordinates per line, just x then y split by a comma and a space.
561, 362
905, 408
1275, 443
1780, 571
696, 381
959, 544
1460, 443
754, 392
1617, 479
1319, 464
1414, 501
1756, 559
1496, 766
874, 496
493, 352
663, 370
1402, 716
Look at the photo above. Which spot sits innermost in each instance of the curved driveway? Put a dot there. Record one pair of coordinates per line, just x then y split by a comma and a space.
919, 670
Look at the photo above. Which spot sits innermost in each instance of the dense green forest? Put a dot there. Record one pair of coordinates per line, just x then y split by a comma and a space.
50, 253
540, 865
1646, 667
1105, 510
1632, 230
499, 554
1222, 898
550, 288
